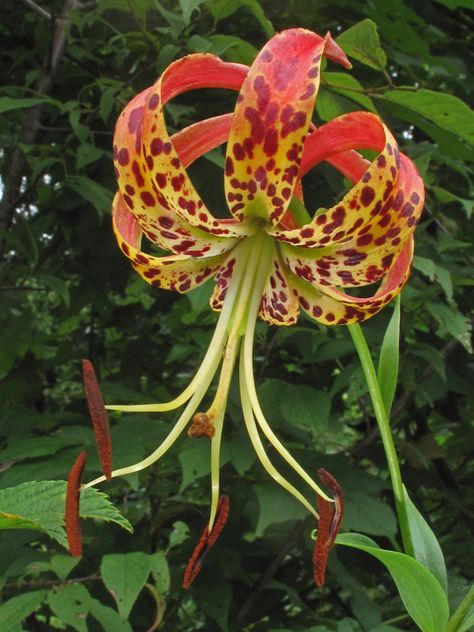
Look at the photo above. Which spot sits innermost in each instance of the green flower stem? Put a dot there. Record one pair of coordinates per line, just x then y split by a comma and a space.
461, 611
366, 361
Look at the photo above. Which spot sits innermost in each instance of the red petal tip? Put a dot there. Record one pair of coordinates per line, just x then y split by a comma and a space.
99, 417
335, 53
71, 515
206, 541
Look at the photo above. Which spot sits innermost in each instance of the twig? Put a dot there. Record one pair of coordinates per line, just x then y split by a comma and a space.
39, 10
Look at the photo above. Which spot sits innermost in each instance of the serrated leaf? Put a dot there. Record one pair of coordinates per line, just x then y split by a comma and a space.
40, 506
70, 604
445, 110
17, 608
362, 42
387, 370
125, 575
419, 589
425, 544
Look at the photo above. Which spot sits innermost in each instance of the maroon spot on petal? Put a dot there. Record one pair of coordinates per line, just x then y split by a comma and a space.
266, 56
153, 102
307, 232
381, 161
364, 240
161, 180
310, 90
270, 145
229, 166
367, 195
128, 201
415, 198
238, 151
123, 156
156, 146
147, 198
330, 317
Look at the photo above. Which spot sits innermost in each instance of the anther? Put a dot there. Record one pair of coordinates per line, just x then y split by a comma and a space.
201, 426
71, 516
330, 517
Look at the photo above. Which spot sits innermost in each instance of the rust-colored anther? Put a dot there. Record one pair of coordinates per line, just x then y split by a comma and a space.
206, 541
99, 417
330, 517
201, 426
71, 515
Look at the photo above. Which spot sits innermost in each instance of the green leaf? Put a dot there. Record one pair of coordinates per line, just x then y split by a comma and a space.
40, 506
425, 266
188, 7
96, 194
8, 103
467, 623
349, 87
108, 618
125, 575
445, 110
456, 4
62, 565
368, 514
17, 608
362, 42
387, 370
70, 604
453, 322
306, 407
221, 9
425, 544
160, 570
276, 506
419, 589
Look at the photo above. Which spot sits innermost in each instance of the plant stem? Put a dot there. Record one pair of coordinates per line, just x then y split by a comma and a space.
366, 361
461, 611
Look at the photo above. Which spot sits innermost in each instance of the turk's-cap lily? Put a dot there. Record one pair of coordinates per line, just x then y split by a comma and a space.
270, 257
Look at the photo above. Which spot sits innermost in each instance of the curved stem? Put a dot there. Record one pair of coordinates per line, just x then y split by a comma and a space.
383, 422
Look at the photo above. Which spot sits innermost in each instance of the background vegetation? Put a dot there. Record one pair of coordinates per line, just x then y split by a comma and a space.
66, 292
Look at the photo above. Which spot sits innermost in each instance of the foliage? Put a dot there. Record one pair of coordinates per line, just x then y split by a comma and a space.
66, 292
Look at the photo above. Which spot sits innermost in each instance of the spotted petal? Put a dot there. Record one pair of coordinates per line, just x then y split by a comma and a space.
271, 121
279, 306
174, 188
173, 272
162, 224
333, 307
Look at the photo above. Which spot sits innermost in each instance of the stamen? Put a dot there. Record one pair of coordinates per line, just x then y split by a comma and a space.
201, 426
71, 515
207, 540
99, 418
330, 517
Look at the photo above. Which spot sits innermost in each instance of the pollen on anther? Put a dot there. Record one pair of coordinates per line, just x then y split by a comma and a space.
99, 417
71, 515
206, 541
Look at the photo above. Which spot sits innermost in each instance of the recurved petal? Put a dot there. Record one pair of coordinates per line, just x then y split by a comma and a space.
372, 248
270, 123
160, 157
173, 272
333, 307
162, 225
279, 305
345, 221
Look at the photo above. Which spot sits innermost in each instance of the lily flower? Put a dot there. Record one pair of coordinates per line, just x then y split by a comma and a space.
270, 257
